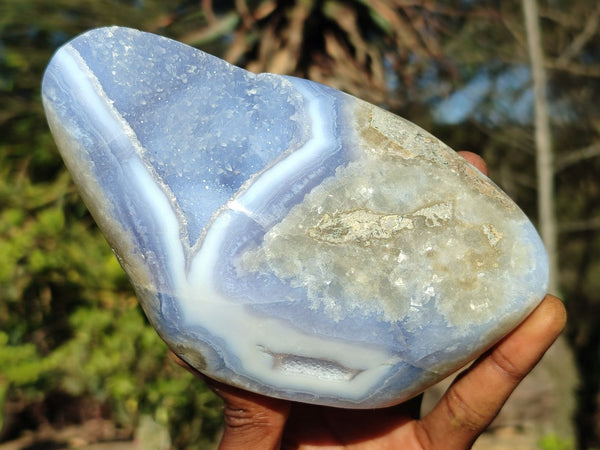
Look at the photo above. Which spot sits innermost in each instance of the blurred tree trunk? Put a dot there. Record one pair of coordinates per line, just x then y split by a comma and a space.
543, 141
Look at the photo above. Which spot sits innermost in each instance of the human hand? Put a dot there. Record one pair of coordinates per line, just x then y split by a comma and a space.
253, 421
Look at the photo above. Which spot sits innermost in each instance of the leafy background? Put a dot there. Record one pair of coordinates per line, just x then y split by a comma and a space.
75, 347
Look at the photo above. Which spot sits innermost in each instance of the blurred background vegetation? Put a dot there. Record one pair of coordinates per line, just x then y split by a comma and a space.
75, 347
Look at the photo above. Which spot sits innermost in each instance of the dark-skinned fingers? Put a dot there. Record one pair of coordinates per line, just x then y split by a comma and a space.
477, 396
252, 421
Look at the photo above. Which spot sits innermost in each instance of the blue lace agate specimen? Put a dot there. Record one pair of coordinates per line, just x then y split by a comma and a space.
282, 236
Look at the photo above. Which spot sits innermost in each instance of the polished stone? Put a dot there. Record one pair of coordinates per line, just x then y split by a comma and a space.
282, 236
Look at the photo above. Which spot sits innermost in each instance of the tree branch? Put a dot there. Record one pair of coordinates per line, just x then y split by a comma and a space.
561, 16
575, 156
543, 140
574, 68
580, 225
589, 30
207, 8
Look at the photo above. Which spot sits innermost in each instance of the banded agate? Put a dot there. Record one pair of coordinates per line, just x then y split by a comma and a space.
282, 236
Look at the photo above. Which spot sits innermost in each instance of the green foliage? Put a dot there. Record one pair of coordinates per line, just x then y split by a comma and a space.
20, 366
118, 359
553, 442
69, 322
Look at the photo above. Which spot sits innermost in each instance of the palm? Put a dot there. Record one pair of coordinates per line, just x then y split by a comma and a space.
323, 427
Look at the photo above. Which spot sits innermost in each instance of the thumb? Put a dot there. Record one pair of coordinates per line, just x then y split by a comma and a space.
477, 395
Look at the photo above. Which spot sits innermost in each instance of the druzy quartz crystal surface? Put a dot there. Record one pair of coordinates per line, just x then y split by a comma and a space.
282, 236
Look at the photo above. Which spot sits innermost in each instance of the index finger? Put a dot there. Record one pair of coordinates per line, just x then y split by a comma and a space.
475, 160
